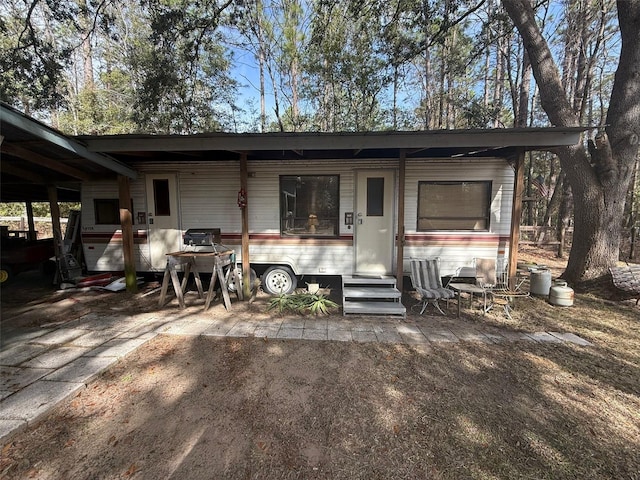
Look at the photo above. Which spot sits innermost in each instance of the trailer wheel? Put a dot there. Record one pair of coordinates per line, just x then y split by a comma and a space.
279, 280
231, 284
6, 274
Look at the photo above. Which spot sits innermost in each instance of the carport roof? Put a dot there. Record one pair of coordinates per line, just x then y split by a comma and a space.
505, 143
35, 155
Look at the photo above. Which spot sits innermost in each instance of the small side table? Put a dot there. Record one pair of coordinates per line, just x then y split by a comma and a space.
471, 289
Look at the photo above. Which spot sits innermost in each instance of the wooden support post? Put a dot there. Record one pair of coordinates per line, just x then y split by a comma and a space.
516, 214
246, 264
33, 235
126, 223
58, 246
400, 230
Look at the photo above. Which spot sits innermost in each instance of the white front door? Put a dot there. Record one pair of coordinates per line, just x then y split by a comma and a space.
374, 230
162, 218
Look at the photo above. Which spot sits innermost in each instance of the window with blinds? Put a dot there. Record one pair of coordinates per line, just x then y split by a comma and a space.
454, 205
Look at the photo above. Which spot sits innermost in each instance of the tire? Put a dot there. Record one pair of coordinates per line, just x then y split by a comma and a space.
278, 280
231, 284
6, 274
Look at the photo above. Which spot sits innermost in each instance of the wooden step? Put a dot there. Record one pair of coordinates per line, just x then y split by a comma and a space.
373, 292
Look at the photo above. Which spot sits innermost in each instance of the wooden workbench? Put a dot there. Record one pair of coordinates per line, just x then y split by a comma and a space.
188, 259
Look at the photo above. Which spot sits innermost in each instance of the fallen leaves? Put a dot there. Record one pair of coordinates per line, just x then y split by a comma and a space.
131, 470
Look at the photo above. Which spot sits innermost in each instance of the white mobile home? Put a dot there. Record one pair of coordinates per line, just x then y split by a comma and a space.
317, 204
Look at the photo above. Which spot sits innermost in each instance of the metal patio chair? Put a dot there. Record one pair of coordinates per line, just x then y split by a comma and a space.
502, 290
426, 280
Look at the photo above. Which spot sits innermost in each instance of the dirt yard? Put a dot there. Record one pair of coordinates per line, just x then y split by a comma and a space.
248, 408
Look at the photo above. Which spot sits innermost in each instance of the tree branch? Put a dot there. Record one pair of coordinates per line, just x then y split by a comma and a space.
553, 96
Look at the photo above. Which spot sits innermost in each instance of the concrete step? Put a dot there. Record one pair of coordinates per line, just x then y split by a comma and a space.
377, 281
370, 292
375, 308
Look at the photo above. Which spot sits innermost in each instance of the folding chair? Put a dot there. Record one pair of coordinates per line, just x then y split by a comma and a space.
426, 280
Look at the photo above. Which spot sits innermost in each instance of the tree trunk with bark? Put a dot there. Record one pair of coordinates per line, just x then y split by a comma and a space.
599, 177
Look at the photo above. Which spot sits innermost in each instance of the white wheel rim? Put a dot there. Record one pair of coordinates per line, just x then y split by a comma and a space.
279, 281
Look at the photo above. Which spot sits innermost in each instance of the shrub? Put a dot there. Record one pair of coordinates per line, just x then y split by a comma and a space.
302, 303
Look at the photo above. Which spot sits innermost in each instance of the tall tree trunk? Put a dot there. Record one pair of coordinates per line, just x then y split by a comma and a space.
599, 190
498, 82
631, 213
442, 93
261, 65
564, 213
522, 107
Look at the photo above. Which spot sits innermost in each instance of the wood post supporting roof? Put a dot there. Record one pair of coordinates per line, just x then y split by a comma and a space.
126, 223
55, 224
400, 231
246, 268
516, 213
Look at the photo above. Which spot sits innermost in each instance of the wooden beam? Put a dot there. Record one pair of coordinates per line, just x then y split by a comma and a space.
400, 229
24, 174
43, 161
246, 264
516, 214
126, 223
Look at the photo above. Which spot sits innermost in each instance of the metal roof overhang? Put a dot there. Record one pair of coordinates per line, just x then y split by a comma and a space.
34, 156
504, 143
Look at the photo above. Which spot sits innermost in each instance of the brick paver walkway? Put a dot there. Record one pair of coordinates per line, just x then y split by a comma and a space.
40, 367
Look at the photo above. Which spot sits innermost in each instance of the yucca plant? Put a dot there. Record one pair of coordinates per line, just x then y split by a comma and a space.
302, 303
321, 304
279, 303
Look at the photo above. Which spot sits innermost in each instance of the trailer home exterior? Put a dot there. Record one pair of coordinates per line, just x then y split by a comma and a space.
317, 204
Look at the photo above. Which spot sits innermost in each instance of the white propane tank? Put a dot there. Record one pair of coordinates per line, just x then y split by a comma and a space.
540, 282
561, 294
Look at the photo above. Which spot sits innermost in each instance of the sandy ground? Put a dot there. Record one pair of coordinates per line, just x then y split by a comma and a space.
249, 408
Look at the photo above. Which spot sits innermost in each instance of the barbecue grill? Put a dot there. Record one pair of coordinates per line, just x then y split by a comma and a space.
204, 240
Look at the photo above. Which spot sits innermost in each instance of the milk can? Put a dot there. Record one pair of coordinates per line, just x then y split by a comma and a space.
540, 282
561, 294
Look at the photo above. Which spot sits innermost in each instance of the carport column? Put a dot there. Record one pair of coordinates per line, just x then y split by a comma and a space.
400, 230
58, 247
32, 226
246, 269
516, 214
126, 223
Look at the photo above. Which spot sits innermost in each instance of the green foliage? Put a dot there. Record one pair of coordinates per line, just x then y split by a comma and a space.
40, 209
34, 52
302, 303
175, 66
182, 81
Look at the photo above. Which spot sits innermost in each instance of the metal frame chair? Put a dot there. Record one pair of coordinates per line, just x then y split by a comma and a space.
426, 280
502, 290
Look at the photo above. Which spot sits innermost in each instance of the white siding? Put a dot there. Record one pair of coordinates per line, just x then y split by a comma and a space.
483, 244
102, 256
208, 199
